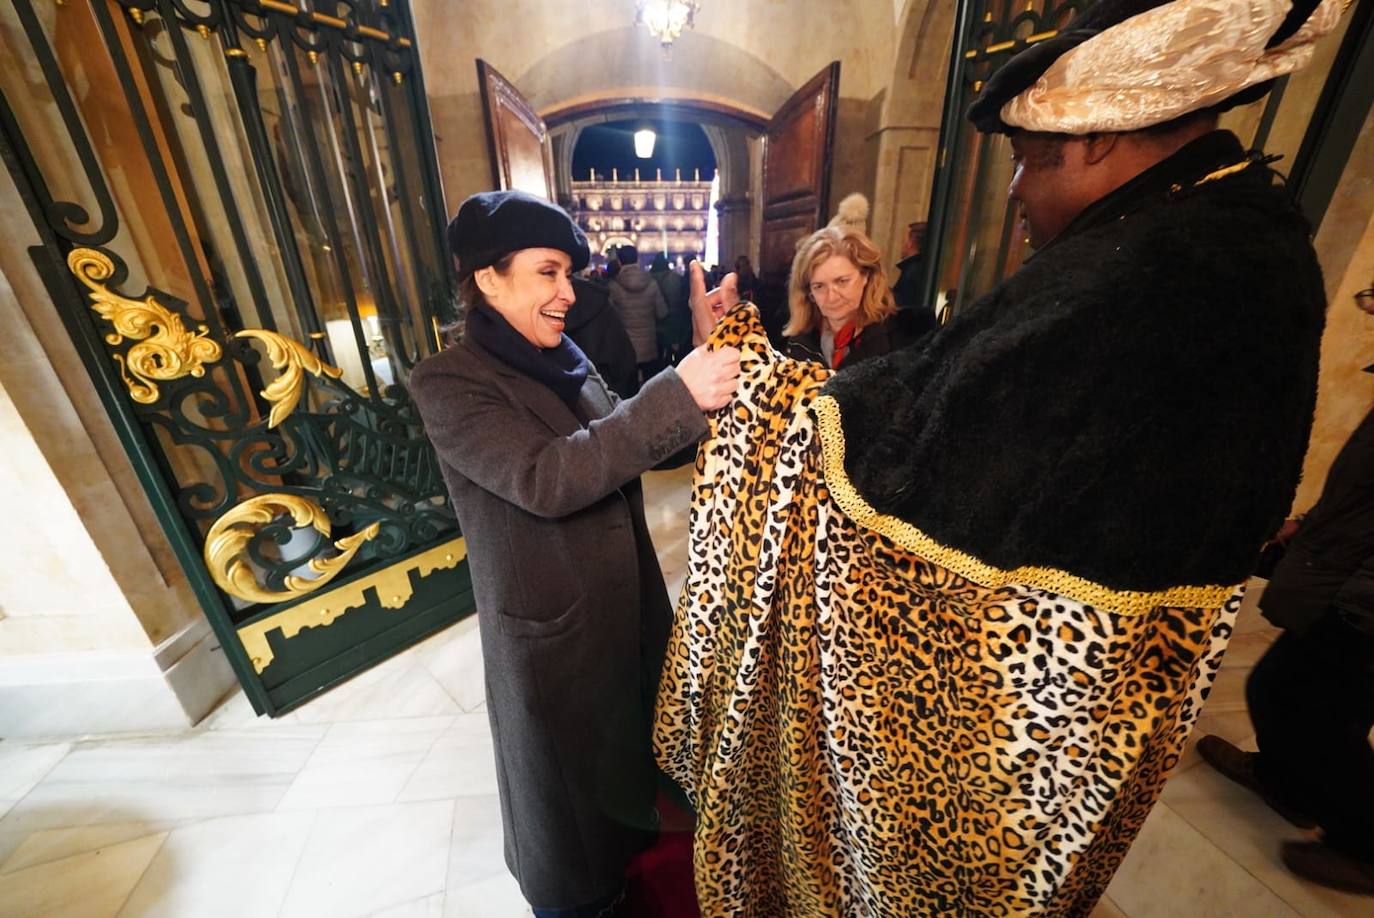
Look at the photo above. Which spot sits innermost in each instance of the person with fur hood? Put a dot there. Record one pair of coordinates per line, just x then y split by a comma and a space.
852, 213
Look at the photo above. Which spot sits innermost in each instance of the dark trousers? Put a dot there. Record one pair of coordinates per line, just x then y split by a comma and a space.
1311, 700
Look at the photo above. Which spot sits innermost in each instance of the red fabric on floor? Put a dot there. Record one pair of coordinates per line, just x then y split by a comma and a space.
660, 881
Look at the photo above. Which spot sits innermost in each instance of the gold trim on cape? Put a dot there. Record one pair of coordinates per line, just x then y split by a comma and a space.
1049, 579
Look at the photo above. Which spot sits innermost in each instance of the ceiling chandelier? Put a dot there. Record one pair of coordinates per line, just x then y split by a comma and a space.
666, 19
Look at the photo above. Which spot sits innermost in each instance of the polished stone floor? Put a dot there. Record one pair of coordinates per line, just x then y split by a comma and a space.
380, 799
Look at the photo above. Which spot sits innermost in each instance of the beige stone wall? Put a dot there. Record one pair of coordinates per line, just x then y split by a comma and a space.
1345, 246
907, 135
60, 420
57, 592
97, 613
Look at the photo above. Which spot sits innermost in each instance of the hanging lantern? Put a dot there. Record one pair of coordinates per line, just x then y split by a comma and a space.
644, 143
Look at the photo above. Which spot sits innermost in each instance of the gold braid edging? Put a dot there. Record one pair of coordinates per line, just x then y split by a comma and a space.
1052, 580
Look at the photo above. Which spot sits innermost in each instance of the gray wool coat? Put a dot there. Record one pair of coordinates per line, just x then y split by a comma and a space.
571, 604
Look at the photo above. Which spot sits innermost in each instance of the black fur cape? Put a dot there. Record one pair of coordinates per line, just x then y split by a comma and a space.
1131, 407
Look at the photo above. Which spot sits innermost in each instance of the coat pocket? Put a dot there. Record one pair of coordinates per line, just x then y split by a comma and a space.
514, 626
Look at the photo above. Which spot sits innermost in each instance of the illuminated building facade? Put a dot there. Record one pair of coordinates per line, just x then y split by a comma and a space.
657, 215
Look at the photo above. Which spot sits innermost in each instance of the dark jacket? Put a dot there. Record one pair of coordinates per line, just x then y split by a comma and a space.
901, 329
907, 290
1132, 406
571, 605
675, 331
595, 327
640, 304
1329, 565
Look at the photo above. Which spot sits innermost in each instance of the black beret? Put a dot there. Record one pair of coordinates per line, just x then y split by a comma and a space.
492, 224
1020, 73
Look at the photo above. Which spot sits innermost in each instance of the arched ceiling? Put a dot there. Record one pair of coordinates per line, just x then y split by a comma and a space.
743, 59
702, 66
751, 52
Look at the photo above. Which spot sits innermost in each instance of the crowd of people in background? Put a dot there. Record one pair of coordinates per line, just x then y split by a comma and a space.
633, 321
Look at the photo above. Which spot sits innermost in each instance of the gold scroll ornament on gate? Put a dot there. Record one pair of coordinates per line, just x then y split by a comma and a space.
166, 350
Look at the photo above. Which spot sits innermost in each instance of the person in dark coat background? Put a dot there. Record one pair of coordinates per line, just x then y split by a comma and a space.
911, 269
747, 280
1311, 696
542, 462
596, 330
675, 331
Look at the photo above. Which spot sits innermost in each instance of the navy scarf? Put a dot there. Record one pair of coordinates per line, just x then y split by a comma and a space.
563, 369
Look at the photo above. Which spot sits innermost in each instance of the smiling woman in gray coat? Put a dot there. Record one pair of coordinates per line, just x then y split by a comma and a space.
542, 462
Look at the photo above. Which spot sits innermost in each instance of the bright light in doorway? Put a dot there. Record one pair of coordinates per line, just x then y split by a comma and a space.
644, 143
713, 223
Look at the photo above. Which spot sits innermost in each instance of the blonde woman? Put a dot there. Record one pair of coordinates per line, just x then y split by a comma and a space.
840, 308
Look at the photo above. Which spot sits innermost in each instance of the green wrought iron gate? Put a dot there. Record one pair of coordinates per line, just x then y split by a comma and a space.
972, 243
242, 228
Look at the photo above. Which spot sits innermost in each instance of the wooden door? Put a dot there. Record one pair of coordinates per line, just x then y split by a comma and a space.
796, 185
517, 140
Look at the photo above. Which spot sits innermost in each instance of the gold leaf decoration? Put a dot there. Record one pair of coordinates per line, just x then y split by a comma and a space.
393, 586
292, 359
166, 350
231, 533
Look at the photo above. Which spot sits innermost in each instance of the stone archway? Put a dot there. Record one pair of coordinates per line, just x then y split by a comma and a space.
704, 70
732, 132
744, 56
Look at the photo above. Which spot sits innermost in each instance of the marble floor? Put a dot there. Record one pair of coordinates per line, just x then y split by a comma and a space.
380, 799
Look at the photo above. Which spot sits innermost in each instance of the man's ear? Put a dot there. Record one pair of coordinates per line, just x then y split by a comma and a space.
1097, 147
486, 281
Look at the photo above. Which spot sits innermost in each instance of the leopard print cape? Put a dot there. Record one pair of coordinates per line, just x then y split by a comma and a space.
864, 732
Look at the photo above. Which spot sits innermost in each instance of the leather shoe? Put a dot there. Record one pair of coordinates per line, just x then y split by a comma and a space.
1323, 864
1239, 765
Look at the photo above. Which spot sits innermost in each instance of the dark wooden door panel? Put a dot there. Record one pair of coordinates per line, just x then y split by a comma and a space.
517, 140
793, 154
780, 242
796, 185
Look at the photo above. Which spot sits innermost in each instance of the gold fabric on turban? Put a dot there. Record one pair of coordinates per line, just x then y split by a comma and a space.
1177, 58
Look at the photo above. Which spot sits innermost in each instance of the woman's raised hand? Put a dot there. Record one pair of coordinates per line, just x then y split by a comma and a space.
711, 376
707, 308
